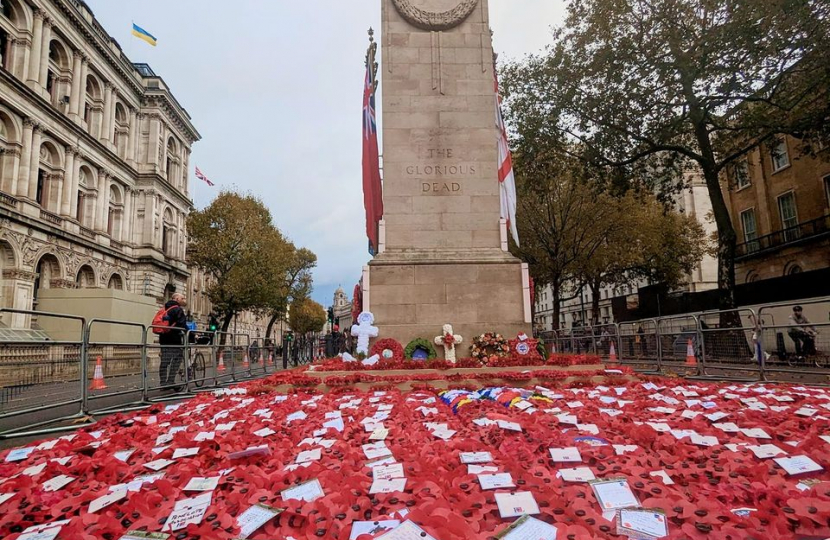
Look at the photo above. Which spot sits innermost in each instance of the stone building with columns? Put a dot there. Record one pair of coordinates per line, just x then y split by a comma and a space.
93, 161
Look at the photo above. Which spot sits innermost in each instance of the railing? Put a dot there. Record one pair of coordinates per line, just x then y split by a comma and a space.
741, 344
89, 233
99, 366
8, 200
778, 239
50, 217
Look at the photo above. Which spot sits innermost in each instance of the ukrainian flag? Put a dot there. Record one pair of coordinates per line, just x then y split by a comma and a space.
141, 33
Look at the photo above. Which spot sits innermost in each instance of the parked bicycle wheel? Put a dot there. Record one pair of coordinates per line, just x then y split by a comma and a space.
198, 369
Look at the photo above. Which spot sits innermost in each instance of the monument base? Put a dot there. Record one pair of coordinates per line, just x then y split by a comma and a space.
413, 298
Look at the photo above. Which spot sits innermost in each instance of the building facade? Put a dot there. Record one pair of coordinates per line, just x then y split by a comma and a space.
94, 155
694, 201
779, 203
342, 308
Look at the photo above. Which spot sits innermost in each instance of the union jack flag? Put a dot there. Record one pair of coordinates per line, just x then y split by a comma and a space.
202, 177
372, 187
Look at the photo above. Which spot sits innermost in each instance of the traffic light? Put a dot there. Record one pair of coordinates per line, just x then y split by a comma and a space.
213, 324
331, 315
289, 336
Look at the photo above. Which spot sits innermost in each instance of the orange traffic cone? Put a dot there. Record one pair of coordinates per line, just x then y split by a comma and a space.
270, 359
98, 377
221, 366
553, 348
691, 360
245, 363
260, 358
612, 354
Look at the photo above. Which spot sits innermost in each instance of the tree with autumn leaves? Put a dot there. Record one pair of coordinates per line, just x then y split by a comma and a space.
577, 234
646, 90
251, 266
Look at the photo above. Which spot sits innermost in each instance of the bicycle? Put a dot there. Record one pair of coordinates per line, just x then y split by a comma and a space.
195, 371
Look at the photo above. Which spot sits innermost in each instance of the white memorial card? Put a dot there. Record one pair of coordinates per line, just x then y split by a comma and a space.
495, 481
255, 517
307, 492
516, 504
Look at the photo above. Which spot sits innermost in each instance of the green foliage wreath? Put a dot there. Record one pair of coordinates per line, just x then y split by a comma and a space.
420, 343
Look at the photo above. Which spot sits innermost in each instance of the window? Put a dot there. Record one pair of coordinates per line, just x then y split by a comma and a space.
50, 84
740, 172
789, 216
41, 187
750, 229
779, 154
79, 215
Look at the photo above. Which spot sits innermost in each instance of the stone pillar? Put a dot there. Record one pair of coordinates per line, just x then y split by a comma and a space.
153, 143
131, 140
12, 156
22, 185
106, 123
59, 180
20, 62
127, 221
34, 163
44, 53
75, 185
77, 90
33, 71
69, 188
102, 201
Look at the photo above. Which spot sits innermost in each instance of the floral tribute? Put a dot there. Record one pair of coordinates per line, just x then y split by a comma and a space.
337, 364
709, 461
423, 345
388, 349
524, 347
489, 346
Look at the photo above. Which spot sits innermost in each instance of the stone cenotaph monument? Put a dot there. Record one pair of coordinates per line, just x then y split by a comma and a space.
443, 249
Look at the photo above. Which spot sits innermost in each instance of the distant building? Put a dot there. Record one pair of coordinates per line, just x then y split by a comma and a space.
342, 308
779, 202
94, 154
693, 201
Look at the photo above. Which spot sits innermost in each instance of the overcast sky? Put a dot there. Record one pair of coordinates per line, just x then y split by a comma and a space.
275, 89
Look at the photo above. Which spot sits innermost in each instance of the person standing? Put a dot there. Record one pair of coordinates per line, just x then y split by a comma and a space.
172, 341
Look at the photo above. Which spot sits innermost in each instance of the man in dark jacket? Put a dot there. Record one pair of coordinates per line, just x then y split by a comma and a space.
172, 341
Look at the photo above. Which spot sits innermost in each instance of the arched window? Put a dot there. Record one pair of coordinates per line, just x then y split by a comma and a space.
168, 234
6, 263
122, 130
173, 162
47, 270
115, 214
48, 181
792, 269
12, 21
8, 141
85, 211
752, 277
85, 278
116, 283
93, 105
58, 74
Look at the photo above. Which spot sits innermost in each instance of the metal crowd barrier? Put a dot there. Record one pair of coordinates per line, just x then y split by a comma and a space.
34, 369
49, 368
788, 348
639, 345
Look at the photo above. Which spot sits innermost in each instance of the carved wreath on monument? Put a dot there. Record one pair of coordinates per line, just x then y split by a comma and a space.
435, 20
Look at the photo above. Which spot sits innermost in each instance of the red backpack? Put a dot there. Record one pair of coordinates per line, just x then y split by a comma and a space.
160, 326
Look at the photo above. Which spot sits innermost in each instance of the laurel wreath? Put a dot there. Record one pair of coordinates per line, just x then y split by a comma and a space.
432, 20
